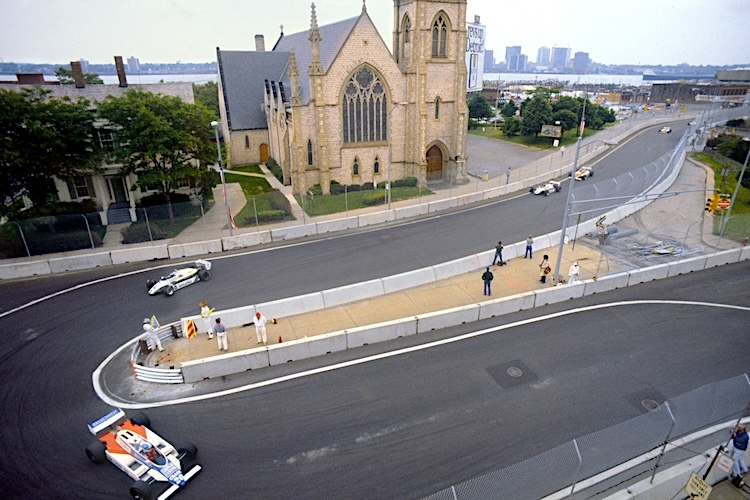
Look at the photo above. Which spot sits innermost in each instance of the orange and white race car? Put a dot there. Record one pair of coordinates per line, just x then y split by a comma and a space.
157, 467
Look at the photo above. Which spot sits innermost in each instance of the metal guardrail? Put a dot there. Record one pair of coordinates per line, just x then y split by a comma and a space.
154, 374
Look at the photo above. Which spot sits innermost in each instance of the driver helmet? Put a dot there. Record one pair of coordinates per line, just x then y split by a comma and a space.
146, 320
145, 447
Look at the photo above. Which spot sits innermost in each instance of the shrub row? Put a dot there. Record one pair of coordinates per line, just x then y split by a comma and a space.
337, 188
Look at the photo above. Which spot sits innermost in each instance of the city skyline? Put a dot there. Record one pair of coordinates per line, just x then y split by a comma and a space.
669, 32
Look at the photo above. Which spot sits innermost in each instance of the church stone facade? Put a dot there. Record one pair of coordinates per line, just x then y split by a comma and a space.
334, 104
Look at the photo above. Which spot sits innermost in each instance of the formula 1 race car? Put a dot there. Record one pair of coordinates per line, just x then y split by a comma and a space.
180, 278
156, 466
584, 173
548, 187
665, 130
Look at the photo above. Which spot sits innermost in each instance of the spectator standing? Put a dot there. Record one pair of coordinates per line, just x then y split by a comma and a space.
507, 176
498, 254
151, 333
573, 273
543, 269
487, 277
221, 335
529, 243
260, 327
206, 315
739, 442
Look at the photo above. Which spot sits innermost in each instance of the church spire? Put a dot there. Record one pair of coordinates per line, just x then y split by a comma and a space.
293, 80
315, 67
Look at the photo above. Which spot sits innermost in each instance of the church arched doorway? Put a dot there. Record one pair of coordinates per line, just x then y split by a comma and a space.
263, 152
434, 164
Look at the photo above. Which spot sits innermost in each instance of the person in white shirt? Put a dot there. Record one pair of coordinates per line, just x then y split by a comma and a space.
206, 315
260, 327
573, 273
151, 334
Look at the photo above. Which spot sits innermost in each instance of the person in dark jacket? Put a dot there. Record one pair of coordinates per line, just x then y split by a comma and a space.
739, 442
498, 254
487, 277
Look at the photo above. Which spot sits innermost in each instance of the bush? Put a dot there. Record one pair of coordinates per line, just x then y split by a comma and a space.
406, 182
59, 208
275, 169
278, 201
316, 190
271, 216
373, 199
138, 233
156, 199
337, 188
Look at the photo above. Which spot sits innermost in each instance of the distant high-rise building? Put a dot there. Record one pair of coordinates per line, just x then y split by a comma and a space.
489, 60
517, 62
84, 65
543, 56
581, 62
134, 65
509, 53
560, 57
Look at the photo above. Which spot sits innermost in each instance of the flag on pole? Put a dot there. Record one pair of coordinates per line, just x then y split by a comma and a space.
190, 328
155, 323
583, 124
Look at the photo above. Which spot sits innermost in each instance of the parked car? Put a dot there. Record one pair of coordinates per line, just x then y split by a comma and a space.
157, 467
548, 187
665, 130
180, 278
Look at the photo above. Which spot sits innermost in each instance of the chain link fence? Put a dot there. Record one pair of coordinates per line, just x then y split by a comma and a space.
565, 467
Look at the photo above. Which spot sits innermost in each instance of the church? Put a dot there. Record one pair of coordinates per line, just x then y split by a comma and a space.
335, 104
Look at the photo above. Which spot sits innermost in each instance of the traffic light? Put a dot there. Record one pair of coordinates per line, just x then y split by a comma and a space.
712, 203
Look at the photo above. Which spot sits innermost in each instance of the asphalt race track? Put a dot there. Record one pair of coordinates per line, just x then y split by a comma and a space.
400, 427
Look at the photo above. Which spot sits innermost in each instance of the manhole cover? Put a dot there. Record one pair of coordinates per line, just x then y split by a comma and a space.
514, 371
650, 404
512, 374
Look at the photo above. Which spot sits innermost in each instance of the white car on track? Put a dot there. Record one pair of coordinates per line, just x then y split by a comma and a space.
584, 173
548, 187
180, 278
157, 467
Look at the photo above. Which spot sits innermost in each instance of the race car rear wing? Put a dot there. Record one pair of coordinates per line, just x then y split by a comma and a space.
106, 421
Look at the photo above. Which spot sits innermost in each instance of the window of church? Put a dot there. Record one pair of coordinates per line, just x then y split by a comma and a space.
309, 152
407, 30
437, 108
247, 142
355, 167
364, 108
376, 166
439, 36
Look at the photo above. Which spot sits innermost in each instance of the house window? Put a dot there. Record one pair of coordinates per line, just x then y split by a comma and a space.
376, 166
439, 36
106, 139
80, 187
364, 108
183, 182
309, 152
247, 142
355, 167
437, 108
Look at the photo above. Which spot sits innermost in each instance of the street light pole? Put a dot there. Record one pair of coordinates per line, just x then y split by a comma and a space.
215, 125
388, 184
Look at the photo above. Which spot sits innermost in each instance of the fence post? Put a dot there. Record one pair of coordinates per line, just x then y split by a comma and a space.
23, 238
578, 469
346, 202
666, 441
148, 225
255, 210
91, 239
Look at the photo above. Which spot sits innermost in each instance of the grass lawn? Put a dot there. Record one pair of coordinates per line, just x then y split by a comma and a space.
250, 169
336, 203
569, 137
738, 227
256, 191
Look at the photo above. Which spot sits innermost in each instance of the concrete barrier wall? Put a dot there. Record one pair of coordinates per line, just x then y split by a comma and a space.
606, 283
196, 248
311, 347
246, 240
437, 206
685, 266
376, 218
336, 225
463, 265
745, 253
559, 294
411, 279
139, 254
648, 274
449, 317
291, 232
24, 269
725, 257
77, 262
224, 364
381, 332
291, 306
410, 211
507, 305
352, 293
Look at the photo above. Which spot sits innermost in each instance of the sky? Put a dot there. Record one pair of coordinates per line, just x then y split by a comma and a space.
646, 32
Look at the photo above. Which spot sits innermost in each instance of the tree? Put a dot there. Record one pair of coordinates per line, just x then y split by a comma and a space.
162, 139
568, 120
512, 126
65, 76
41, 138
479, 107
208, 95
509, 109
535, 112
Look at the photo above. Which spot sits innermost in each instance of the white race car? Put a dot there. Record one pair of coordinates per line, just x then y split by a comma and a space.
548, 187
584, 173
156, 466
180, 278
665, 130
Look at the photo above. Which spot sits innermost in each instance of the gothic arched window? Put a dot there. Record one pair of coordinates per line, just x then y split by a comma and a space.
309, 152
407, 30
439, 36
247, 142
364, 108
376, 166
355, 167
437, 108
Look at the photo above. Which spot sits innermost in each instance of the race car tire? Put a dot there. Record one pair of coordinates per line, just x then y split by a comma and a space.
149, 284
97, 452
557, 189
169, 291
204, 275
531, 190
141, 490
546, 193
591, 173
187, 450
140, 418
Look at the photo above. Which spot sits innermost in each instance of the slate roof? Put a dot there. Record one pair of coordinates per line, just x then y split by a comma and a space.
243, 74
333, 38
